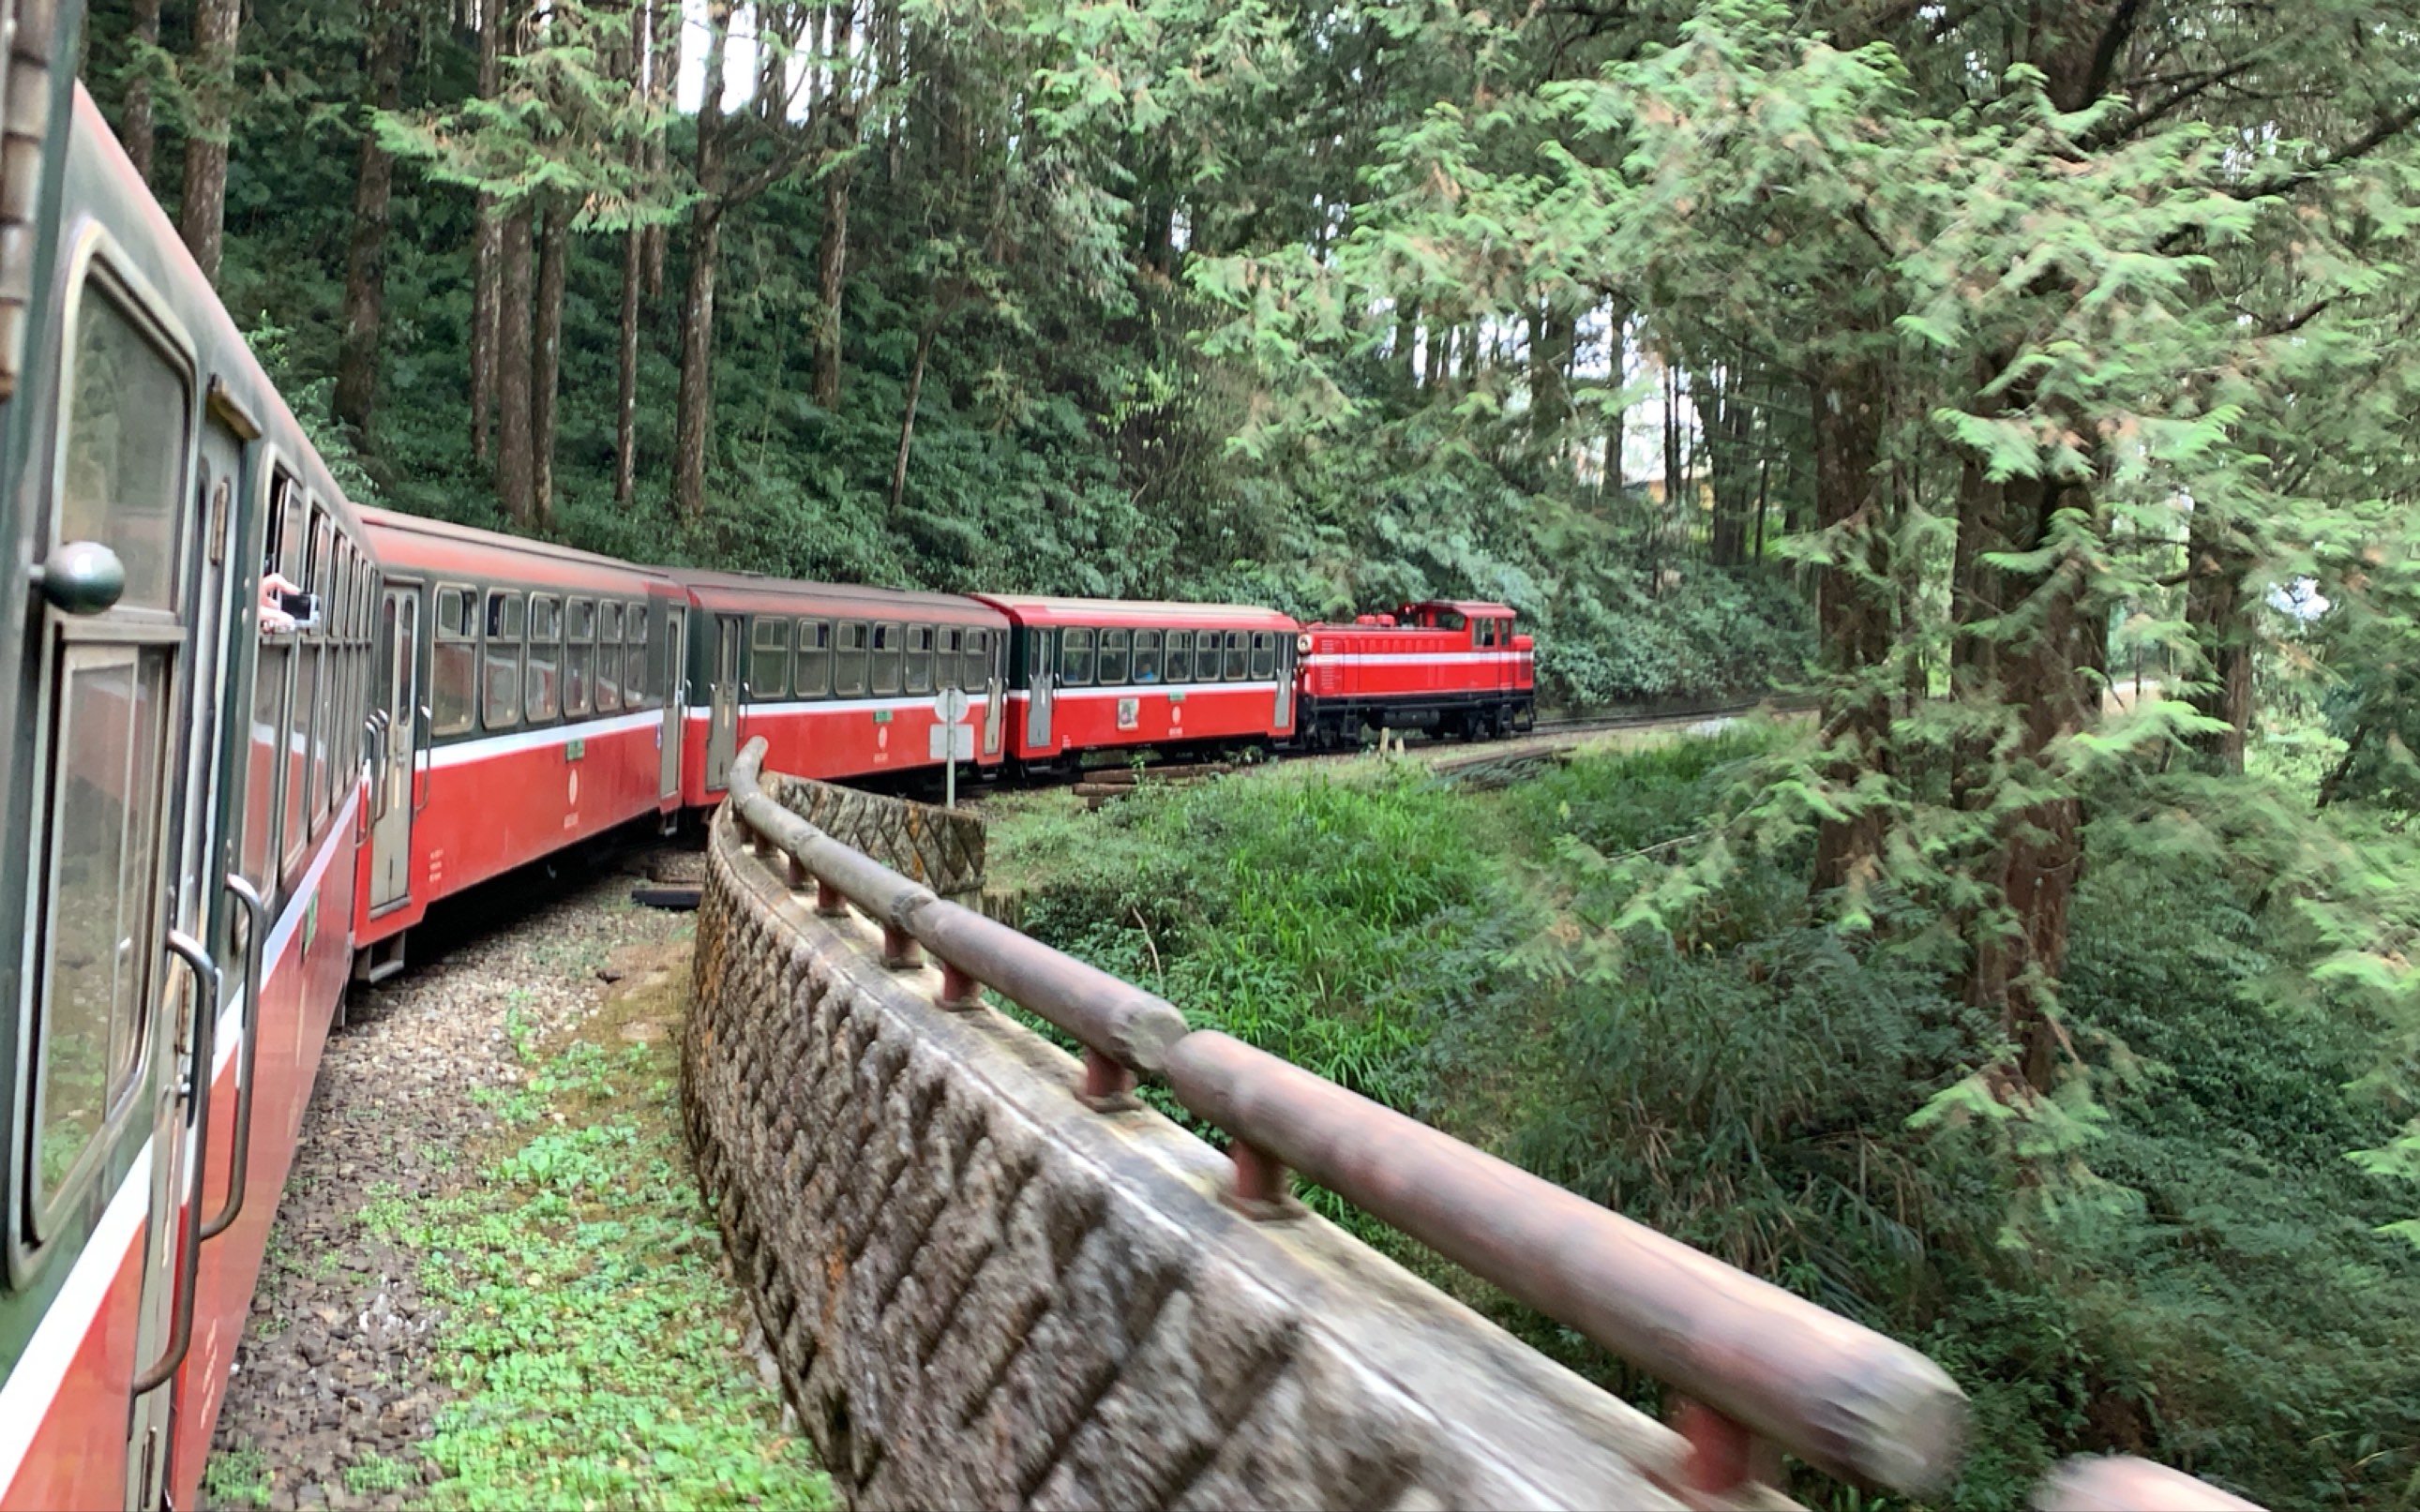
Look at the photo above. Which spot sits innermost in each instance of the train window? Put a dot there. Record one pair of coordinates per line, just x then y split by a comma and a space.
260, 790
1113, 655
813, 678
634, 659
314, 578
848, 662
124, 449
579, 653
1205, 655
298, 752
1075, 658
324, 733
541, 686
1235, 668
609, 657
1265, 655
500, 706
1483, 633
1177, 662
103, 863
1037, 656
454, 662
949, 657
292, 542
978, 664
920, 658
1450, 621
886, 658
769, 659
1146, 655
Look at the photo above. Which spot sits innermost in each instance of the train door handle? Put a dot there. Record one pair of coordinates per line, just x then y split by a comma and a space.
422, 769
205, 1056
257, 912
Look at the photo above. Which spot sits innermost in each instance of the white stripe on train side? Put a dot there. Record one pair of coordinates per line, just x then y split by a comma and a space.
1023, 695
975, 701
1413, 658
26, 1397
559, 735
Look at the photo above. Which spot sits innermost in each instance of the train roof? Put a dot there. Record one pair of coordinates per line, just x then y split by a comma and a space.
440, 547
750, 592
1464, 606
1040, 609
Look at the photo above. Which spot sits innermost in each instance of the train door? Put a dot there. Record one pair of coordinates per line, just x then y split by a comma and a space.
1283, 716
1041, 671
396, 712
722, 728
995, 661
675, 700
124, 996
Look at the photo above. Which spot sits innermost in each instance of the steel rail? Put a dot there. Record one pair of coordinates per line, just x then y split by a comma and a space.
1755, 1364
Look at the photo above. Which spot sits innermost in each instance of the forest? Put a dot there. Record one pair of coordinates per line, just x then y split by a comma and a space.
2029, 382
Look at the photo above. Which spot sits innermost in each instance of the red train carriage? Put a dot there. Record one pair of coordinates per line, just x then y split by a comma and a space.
1445, 666
839, 680
522, 702
1098, 674
183, 794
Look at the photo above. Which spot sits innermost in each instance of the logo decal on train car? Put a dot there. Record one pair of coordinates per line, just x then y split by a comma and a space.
1129, 713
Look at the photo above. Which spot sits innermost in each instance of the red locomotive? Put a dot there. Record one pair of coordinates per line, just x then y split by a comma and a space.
1445, 666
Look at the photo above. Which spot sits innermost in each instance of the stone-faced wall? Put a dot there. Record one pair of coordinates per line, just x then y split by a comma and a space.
941, 848
984, 1294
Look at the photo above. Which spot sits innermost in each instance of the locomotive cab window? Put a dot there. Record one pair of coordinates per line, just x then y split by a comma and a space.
1115, 644
500, 705
1484, 634
886, 658
814, 658
769, 659
609, 657
108, 750
1265, 655
541, 690
579, 653
848, 663
454, 662
1177, 661
1075, 658
1235, 668
920, 658
1146, 655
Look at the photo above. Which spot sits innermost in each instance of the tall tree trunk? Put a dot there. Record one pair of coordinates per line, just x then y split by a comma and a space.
516, 463
357, 355
488, 252
545, 358
696, 398
2221, 621
201, 215
134, 117
908, 419
1550, 348
1852, 611
626, 399
831, 282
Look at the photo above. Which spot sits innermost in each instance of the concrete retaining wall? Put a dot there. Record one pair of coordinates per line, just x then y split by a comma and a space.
984, 1294
941, 848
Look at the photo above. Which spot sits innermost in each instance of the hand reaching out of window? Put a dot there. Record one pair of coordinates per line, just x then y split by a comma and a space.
274, 586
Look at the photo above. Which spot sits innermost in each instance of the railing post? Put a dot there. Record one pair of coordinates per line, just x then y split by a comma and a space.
795, 872
830, 902
1109, 1087
899, 949
960, 993
1724, 1453
1264, 1188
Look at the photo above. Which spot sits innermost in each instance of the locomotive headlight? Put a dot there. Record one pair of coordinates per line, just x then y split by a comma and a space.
1302, 642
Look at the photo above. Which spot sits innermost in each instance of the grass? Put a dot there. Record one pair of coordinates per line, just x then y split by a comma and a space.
235, 1478
589, 1326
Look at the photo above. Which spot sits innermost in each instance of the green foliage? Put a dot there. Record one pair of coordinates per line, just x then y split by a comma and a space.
589, 1327
236, 1476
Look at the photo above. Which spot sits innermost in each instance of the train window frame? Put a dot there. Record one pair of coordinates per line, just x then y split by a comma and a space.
978, 659
606, 697
1232, 666
819, 655
851, 658
579, 653
634, 656
545, 629
948, 657
1169, 664
916, 676
461, 629
1482, 634
881, 679
1265, 656
1116, 641
1147, 654
514, 605
1076, 656
769, 680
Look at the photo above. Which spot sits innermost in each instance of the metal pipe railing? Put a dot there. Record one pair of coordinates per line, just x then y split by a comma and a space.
1753, 1363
